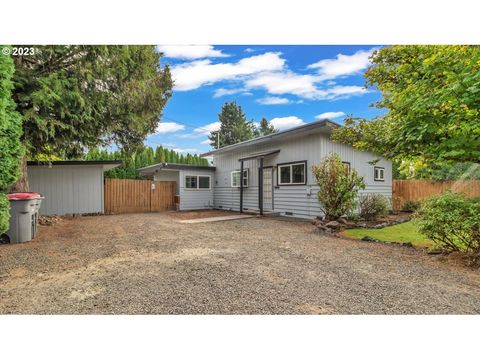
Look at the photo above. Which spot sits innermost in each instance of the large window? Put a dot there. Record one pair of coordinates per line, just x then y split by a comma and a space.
378, 173
235, 178
197, 182
292, 173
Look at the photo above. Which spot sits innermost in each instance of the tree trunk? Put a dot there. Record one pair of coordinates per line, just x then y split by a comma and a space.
21, 185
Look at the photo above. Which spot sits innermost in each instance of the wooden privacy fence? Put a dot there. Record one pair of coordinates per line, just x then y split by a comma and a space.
405, 190
131, 196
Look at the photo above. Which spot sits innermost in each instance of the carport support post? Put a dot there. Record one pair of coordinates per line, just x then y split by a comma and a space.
241, 186
260, 186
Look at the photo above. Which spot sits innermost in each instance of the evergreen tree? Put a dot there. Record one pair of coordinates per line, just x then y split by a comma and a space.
72, 97
265, 128
234, 126
11, 149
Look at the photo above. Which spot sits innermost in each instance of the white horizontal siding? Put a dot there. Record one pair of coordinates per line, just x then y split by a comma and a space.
191, 199
68, 189
301, 200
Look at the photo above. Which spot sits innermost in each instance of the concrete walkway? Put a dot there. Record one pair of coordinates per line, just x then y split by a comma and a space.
214, 219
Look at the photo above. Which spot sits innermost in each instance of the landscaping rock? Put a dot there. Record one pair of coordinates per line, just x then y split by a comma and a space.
49, 220
333, 224
368, 238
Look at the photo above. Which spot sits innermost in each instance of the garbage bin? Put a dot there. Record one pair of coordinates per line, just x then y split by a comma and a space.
24, 209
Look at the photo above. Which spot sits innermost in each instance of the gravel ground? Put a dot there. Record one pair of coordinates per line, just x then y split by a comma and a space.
151, 264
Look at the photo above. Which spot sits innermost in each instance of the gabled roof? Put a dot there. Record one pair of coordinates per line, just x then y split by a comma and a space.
317, 126
167, 166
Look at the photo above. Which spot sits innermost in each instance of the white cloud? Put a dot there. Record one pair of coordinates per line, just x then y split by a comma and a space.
168, 127
222, 92
273, 100
207, 129
206, 142
303, 86
192, 75
284, 123
286, 82
183, 151
190, 51
330, 115
346, 91
342, 65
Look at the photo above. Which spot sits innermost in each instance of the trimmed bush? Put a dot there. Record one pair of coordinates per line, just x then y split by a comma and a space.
338, 185
11, 150
4, 213
373, 206
451, 221
411, 206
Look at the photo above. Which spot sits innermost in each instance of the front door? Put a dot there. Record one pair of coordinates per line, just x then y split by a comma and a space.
267, 189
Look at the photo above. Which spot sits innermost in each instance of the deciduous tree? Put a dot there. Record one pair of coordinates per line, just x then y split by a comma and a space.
432, 94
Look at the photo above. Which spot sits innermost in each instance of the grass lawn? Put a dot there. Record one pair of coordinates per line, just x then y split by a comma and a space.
405, 232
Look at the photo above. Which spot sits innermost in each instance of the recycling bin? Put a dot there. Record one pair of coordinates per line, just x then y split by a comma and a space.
24, 209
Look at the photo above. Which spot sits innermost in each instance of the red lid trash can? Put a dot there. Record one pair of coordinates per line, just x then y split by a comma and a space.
24, 209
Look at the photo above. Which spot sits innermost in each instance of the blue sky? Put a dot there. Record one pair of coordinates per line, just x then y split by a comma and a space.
289, 85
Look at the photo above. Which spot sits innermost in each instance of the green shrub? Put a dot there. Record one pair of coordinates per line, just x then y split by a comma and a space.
338, 185
11, 149
411, 206
373, 206
451, 221
4, 213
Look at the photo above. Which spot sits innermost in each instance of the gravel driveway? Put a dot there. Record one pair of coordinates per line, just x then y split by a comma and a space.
151, 264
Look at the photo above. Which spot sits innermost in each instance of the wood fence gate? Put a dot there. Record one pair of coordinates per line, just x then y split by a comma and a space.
134, 196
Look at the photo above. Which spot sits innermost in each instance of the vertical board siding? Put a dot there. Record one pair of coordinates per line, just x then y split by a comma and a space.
301, 200
68, 189
135, 196
416, 190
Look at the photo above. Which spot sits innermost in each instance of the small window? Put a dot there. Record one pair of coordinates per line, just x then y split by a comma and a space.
235, 178
379, 173
191, 182
347, 165
196, 182
292, 174
204, 182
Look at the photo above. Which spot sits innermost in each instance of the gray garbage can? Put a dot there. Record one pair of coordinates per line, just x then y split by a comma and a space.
24, 209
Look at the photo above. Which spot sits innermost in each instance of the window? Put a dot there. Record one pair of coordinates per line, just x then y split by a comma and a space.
378, 173
235, 178
197, 182
347, 165
204, 182
292, 173
191, 182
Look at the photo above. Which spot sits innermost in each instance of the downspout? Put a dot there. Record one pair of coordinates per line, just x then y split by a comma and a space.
241, 186
260, 186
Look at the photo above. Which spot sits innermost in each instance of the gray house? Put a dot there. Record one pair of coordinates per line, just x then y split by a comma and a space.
272, 173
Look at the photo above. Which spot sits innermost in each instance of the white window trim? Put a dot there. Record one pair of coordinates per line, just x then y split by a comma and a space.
244, 178
290, 165
380, 170
198, 183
